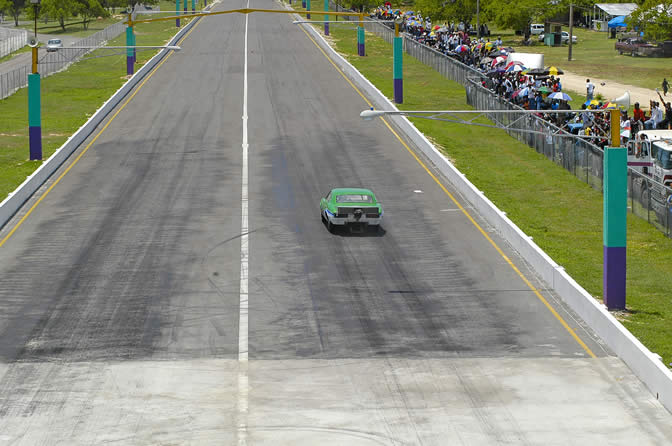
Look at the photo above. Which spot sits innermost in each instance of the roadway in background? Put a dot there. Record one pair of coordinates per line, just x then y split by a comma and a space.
120, 303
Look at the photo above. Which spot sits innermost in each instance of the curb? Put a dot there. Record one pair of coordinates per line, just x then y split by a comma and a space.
646, 365
11, 205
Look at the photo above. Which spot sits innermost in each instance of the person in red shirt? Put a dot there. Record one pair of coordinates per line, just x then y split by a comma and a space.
638, 118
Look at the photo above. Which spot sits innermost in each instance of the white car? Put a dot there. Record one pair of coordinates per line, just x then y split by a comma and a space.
536, 28
564, 39
54, 45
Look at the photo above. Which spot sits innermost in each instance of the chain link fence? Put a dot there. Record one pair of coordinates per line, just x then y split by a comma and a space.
55, 61
648, 199
12, 40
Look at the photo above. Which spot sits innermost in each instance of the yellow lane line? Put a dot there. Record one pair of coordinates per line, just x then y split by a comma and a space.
464, 211
32, 208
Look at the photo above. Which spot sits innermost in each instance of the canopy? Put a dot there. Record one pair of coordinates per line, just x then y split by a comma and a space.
617, 22
616, 9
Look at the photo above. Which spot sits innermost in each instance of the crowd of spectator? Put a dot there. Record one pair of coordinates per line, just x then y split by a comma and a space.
531, 89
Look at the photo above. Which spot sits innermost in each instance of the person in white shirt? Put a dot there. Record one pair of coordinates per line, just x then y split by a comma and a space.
656, 116
590, 89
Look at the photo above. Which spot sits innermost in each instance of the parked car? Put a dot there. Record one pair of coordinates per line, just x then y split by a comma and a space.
636, 46
564, 39
54, 45
536, 28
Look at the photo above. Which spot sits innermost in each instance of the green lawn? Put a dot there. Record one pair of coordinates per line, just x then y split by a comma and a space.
69, 98
563, 214
594, 56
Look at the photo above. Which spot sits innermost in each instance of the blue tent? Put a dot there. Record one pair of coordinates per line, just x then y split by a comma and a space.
617, 22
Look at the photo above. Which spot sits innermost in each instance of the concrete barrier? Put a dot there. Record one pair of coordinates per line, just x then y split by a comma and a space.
16, 199
646, 365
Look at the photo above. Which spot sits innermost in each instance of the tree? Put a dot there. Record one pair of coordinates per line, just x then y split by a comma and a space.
61, 10
453, 10
520, 14
654, 17
13, 8
361, 5
89, 9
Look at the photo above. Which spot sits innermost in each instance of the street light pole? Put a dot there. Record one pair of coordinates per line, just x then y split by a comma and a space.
397, 63
34, 100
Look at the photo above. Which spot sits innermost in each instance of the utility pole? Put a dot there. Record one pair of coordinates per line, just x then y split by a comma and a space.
571, 29
478, 21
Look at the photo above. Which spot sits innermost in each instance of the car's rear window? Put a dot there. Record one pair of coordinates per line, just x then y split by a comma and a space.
354, 198
54, 41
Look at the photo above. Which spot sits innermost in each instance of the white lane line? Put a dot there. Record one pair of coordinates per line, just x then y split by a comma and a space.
243, 328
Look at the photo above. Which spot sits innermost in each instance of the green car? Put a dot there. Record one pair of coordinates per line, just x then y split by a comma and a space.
355, 208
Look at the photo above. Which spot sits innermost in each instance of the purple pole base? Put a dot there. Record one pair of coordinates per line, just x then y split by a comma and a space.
193, 11
308, 16
129, 65
399, 91
360, 49
135, 55
303, 4
35, 137
614, 278
326, 29
205, 3
177, 22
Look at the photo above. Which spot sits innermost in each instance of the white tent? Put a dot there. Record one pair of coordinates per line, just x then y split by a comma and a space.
603, 12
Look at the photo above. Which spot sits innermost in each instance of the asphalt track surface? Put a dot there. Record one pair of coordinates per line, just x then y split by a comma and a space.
123, 293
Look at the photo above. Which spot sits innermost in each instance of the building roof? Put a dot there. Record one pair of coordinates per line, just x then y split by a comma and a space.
616, 9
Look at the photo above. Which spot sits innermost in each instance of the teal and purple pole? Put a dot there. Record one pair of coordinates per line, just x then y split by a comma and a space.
186, 9
129, 50
397, 69
34, 112
177, 12
615, 215
361, 50
193, 6
303, 4
326, 18
308, 9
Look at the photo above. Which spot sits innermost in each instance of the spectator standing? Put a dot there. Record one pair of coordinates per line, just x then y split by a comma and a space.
668, 114
666, 86
638, 119
586, 117
590, 89
656, 116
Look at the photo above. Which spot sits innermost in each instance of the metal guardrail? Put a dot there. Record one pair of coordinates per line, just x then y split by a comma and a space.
12, 40
53, 62
578, 156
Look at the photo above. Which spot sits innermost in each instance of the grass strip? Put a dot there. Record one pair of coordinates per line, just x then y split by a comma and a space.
69, 99
563, 214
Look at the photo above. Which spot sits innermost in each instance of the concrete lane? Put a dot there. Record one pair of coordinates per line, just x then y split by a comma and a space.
129, 256
119, 303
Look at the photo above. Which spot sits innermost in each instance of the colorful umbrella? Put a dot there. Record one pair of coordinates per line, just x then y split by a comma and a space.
514, 68
544, 90
498, 60
560, 95
488, 46
436, 27
461, 48
554, 71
